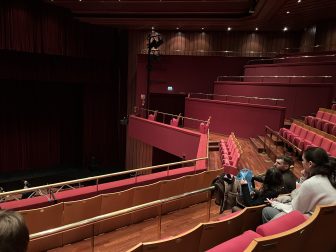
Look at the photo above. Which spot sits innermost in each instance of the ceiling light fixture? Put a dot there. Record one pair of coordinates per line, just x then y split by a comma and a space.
299, 1
285, 28
287, 12
256, 28
229, 28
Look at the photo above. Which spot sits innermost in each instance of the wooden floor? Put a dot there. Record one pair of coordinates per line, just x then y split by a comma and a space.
180, 221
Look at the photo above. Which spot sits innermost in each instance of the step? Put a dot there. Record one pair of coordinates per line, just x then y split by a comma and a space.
275, 139
258, 144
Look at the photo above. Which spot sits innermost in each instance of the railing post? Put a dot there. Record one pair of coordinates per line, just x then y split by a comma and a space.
160, 220
92, 240
209, 205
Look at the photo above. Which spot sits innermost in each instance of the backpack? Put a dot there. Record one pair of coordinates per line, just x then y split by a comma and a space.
226, 191
247, 175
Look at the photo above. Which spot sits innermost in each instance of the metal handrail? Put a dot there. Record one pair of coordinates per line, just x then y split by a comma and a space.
168, 114
240, 96
50, 186
272, 76
103, 217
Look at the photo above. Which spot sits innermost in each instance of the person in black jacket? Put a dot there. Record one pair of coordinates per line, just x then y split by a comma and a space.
284, 165
271, 188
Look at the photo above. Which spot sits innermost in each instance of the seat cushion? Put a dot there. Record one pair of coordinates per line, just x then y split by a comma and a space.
281, 224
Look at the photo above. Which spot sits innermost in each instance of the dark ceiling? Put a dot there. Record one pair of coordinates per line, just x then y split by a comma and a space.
193, 15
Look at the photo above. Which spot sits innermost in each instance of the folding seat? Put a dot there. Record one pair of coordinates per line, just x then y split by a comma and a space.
318, 117
326, 144
300, 137
332, 150
317, 140
309, 120
291, 135
333, 131
283, 131
308, 140
325, 119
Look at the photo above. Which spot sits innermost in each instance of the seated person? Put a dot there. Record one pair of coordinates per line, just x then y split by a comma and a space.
318, 188
14, 234
271, 188
284, 165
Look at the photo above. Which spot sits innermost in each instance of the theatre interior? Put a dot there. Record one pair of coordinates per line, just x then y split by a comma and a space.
117, 116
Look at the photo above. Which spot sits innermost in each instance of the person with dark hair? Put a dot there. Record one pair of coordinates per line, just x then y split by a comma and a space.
271, 188
14, 234
284, 164
319, 188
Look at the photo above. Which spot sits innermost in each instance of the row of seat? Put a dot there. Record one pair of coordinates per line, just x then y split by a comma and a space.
290, 232
324, 120
230, 152
69, 212
304, 136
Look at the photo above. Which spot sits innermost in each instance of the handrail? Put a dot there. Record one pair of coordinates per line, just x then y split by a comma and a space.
103, 217
241, 96
50, 186
163, 113
272, 76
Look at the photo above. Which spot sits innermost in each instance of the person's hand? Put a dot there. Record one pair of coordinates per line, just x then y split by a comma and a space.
243, 182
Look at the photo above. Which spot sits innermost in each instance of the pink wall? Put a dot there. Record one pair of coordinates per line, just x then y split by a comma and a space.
177, 141
246, 120
186, 73
300, 98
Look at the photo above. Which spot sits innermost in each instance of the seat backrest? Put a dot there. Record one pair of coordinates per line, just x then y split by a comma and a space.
303, 133
320, 114
333, 118
317, 140
332, 149
333, 107
297, 130
326, 144
326, 116
310, 136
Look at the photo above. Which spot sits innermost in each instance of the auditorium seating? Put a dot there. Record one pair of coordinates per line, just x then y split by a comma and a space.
73, 211
333, 107
230, 152
304, 136
152, 117
324, 120
175, 121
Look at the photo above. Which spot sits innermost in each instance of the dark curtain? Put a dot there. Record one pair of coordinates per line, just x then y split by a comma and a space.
63, 89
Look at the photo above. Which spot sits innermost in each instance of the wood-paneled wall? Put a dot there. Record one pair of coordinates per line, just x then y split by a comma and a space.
138, 154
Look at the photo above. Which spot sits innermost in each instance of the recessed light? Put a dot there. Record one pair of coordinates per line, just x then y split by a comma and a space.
299, 1
287, 12
202, 28
177, 28
256, 28
229, 28
285, 28
153, 28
